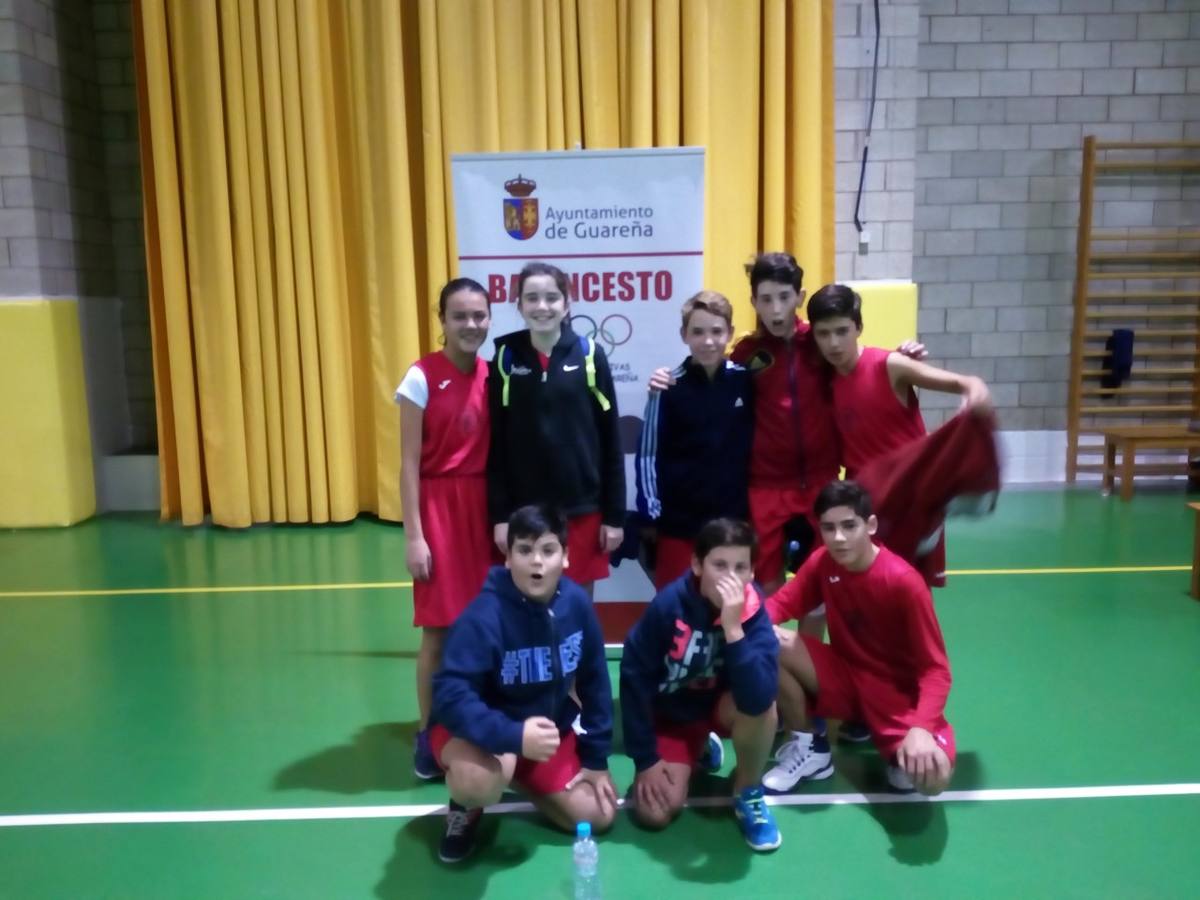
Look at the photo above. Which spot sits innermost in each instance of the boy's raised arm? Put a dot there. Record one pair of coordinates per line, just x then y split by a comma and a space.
905, 372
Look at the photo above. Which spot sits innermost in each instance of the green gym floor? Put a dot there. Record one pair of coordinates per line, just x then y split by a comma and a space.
243, 675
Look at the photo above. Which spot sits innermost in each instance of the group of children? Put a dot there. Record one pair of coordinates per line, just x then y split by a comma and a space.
530, 446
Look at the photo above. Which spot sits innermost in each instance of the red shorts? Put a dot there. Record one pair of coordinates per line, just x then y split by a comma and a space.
770, 510
672, 557
586, 562
454, 519
684, 742
538, 778
852, 695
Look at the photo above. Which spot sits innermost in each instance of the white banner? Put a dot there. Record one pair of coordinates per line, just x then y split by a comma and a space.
627, 226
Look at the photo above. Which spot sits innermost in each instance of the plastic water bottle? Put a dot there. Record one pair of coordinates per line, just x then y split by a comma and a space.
587, 862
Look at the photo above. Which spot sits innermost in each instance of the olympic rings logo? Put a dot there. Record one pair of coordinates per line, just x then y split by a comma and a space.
613, 330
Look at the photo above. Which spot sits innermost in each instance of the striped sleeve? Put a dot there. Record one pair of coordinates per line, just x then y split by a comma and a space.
646, 466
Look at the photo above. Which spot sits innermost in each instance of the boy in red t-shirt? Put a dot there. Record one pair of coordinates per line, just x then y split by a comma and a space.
885, 663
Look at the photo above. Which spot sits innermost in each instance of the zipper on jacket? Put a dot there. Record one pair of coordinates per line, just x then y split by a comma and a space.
794, 390
555, 662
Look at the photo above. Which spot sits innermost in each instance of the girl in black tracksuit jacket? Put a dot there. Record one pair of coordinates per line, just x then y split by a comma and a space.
554, 428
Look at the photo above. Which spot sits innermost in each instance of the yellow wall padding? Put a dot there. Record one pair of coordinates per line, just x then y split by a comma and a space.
889, 311
46, 454
295, 160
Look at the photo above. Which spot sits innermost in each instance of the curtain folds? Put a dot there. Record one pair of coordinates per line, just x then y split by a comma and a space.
299, 217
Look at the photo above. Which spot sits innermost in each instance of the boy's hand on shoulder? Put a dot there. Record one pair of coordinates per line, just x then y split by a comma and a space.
660, 380
733, 601
539, 739
913, 349
500, 536
601, 781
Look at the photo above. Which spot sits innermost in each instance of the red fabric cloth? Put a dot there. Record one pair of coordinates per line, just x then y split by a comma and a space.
871, 420
672, 557
455, 429
685, 742
795, 439
770, 510
883, 627
954, 469
537, 778
586, 562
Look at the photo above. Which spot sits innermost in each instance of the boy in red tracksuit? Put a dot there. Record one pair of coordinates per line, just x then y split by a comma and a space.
885, 663
795, 441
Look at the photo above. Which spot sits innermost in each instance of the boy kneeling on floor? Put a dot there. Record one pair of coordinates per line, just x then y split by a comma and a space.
885, 663
702, 659
503, 709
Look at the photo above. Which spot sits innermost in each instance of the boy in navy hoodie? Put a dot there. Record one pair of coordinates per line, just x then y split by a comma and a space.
703, 657
693, 461
502, 701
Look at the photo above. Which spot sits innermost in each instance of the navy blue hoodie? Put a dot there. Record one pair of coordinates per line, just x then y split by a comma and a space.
677, 664
508, 658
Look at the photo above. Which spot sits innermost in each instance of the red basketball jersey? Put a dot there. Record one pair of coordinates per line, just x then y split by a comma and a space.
870, 418
455, 429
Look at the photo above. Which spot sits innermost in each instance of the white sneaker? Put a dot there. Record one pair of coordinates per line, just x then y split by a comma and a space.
898, 780
797, 762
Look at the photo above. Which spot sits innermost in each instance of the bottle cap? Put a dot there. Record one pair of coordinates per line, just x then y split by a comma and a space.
583, 829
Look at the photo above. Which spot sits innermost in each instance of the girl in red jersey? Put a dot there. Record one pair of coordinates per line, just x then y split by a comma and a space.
444, 435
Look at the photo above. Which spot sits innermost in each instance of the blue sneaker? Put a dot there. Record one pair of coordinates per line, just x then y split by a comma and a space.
755, 819
713, 756
425, 766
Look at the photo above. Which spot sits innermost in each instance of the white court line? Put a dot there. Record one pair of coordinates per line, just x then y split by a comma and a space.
316, 813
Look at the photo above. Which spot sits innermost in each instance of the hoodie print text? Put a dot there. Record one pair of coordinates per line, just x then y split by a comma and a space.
693, 659
532, 665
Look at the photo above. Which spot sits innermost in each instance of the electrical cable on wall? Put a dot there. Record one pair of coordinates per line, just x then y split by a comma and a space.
866, 150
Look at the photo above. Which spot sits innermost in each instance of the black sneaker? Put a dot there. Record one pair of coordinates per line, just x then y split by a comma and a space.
854, 733
459, 839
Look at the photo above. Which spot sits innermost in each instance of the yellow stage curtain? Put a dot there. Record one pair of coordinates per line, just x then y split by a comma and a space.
299, 217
